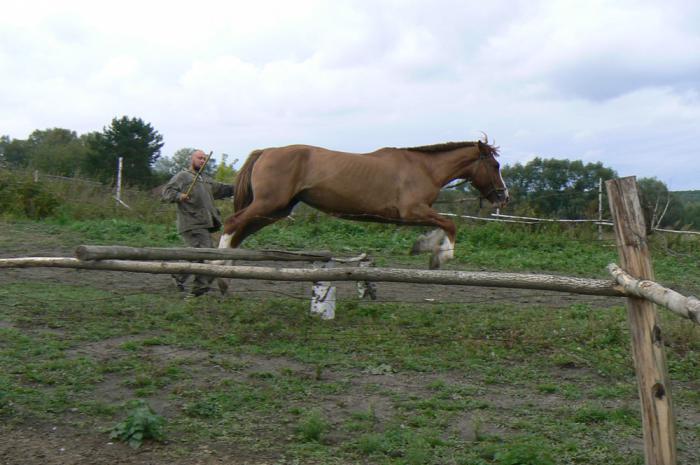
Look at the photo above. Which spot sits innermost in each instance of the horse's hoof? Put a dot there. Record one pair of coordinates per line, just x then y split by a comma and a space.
434, 263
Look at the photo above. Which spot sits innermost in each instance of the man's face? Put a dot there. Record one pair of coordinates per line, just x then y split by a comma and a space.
198, 159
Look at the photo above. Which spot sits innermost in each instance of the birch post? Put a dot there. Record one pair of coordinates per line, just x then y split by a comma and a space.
120, 166
647, 343
600, 209
323, 295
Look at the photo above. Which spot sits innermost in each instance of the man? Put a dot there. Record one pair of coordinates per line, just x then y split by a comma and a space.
197, 217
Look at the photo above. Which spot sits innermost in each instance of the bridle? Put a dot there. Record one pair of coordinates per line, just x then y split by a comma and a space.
493, 188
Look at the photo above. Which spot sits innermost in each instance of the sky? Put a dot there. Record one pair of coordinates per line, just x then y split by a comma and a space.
615, 81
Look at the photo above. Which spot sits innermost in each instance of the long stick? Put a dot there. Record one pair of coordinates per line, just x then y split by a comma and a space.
687, 307
196, 176
447, 277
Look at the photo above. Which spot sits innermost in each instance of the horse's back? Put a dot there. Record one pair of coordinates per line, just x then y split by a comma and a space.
326, 179
308, 161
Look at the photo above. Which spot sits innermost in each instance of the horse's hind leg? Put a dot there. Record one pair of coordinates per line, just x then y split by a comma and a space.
244, 223
428, 242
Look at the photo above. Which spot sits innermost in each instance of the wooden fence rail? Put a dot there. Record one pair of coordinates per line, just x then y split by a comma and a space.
102, 252
447, 277
686, 307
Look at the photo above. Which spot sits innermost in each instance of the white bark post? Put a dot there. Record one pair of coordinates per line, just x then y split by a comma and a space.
120, 165
658, 423
323, 295
600, 209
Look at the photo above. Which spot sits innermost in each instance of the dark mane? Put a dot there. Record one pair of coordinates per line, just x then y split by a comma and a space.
446, 146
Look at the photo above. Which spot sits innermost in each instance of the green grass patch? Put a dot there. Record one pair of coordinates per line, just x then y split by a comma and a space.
490, 382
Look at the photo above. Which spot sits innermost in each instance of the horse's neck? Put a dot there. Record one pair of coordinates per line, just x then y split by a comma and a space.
448, 166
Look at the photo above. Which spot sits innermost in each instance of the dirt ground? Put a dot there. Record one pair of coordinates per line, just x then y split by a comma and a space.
66, 443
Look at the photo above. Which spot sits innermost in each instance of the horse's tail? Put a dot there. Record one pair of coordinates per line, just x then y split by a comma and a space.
244, 188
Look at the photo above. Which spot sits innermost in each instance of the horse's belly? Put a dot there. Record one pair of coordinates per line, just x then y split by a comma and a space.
347, 206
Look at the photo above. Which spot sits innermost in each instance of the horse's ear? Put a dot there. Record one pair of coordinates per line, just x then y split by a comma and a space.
483, 153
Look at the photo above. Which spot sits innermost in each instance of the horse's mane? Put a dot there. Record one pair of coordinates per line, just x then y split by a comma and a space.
444, 147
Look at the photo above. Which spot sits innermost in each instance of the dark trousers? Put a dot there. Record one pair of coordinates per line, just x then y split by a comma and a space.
198, 238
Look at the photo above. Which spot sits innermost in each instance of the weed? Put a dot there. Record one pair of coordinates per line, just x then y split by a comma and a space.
140, 424
204, 408
370, 443
312, 426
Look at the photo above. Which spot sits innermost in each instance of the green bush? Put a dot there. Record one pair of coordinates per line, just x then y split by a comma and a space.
141, 423
312, 427
21, 197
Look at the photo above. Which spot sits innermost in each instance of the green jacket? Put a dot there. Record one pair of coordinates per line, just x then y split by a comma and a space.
199, 212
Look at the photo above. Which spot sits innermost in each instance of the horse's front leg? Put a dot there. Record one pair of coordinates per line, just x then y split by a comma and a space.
439, 242
443, 252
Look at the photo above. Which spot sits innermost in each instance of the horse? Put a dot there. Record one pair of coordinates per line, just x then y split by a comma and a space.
389, 185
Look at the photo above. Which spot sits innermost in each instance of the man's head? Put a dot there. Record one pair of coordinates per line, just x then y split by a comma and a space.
197, 159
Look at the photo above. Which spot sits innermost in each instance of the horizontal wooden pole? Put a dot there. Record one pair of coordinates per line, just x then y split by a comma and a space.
547, 220
676, 231
481, 218
106, 252
447, 277
687, 307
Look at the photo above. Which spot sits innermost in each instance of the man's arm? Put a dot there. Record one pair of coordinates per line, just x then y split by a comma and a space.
221, 190
174, 190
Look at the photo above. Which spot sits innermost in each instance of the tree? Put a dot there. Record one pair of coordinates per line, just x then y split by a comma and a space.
13, 152
57, 151
225, 172
556, 188
660, 206
166, 167
691, 216
133, 140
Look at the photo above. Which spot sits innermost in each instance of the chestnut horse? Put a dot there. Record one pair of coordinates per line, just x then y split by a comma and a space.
390, 185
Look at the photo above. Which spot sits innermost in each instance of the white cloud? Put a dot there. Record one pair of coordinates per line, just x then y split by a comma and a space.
602, 79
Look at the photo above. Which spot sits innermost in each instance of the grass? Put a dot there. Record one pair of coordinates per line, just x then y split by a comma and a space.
386, 383
46, 376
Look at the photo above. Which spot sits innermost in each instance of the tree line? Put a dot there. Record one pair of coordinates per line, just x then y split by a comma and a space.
553, 188
95, 155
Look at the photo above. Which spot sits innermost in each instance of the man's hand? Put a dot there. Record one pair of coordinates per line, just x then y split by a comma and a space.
183, 197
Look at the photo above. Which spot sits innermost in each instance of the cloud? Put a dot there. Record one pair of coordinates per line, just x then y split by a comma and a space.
602, 49
544, 78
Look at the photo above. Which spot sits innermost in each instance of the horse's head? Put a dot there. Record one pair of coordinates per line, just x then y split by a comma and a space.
486, 176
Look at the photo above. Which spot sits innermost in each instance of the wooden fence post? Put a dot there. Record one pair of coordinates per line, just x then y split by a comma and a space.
647, 344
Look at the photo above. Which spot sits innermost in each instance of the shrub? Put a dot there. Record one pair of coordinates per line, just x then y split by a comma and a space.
141, 423
21, 197
312, 426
